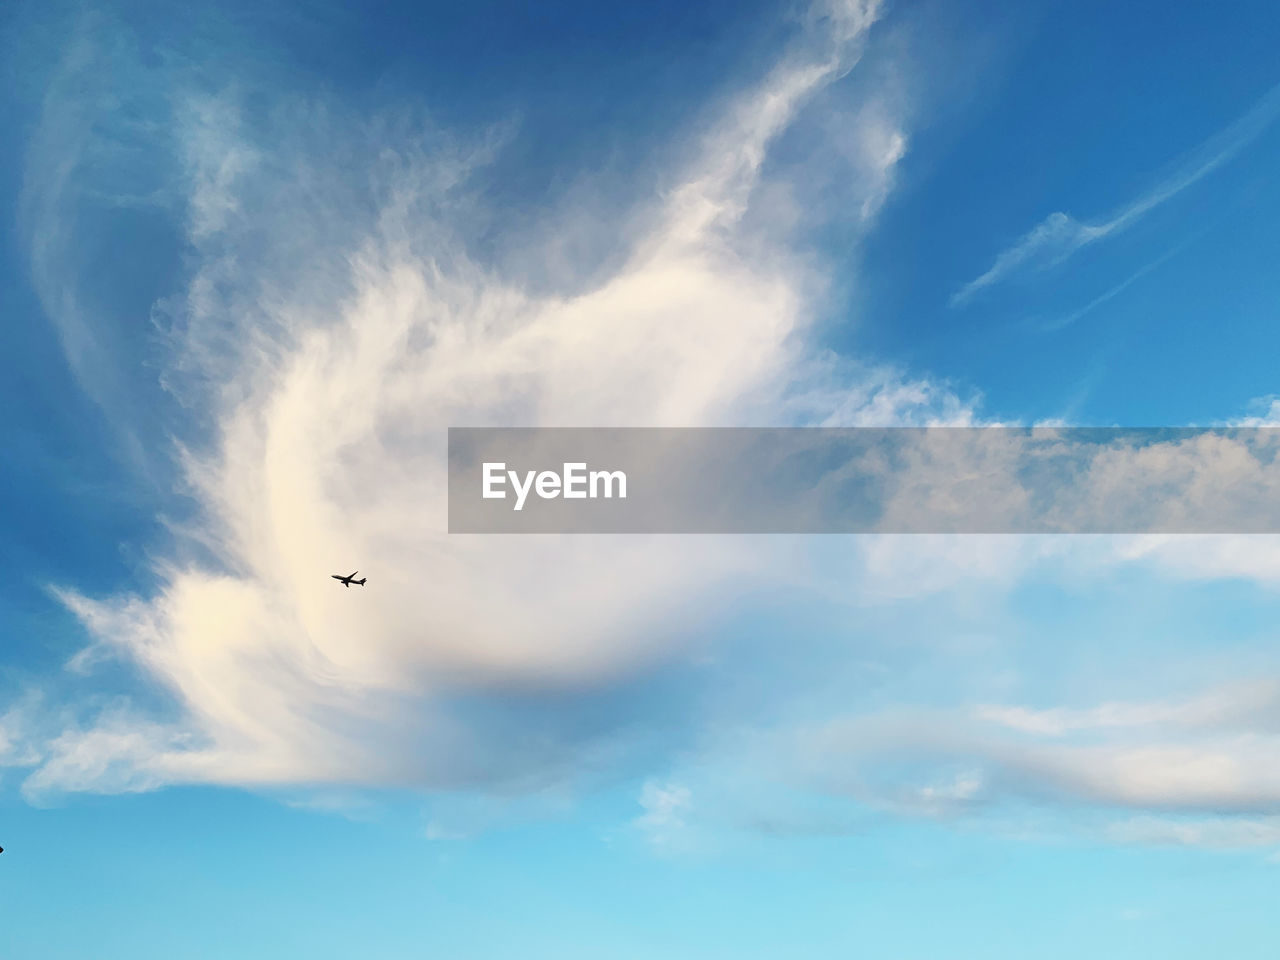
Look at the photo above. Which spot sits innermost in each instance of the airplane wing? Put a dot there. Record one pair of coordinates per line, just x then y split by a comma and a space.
353, 574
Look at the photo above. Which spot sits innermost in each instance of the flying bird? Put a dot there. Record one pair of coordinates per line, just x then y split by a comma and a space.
349, 580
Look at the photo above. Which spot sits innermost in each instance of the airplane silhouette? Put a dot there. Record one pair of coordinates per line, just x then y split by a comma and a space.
348, 581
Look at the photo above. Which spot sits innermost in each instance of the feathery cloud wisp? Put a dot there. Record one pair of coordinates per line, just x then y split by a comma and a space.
1205, 759
333, 327
1060, 235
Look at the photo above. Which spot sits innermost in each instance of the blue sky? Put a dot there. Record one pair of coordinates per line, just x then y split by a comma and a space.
260, 257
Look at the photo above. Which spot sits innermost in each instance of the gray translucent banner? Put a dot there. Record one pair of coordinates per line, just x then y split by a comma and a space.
864, 480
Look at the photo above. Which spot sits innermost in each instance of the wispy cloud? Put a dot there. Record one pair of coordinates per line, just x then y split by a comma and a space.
334, 325
665, 809
1060, 234
1065, 321
1197, 768
1217, 833
97, 151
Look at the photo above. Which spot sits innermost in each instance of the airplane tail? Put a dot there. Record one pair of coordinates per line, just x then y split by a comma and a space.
360, 581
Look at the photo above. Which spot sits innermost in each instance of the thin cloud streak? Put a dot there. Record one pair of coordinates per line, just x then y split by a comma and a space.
1206, 756
1060, 235
1063, 322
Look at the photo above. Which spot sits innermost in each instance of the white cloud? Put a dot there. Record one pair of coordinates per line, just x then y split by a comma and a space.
1267, 415
333, 328
1244, 704
1211, 755
665, 809
17, 738
1060, 235
1207, 557
1108, 295
215, 157
78, 167
1219, 833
